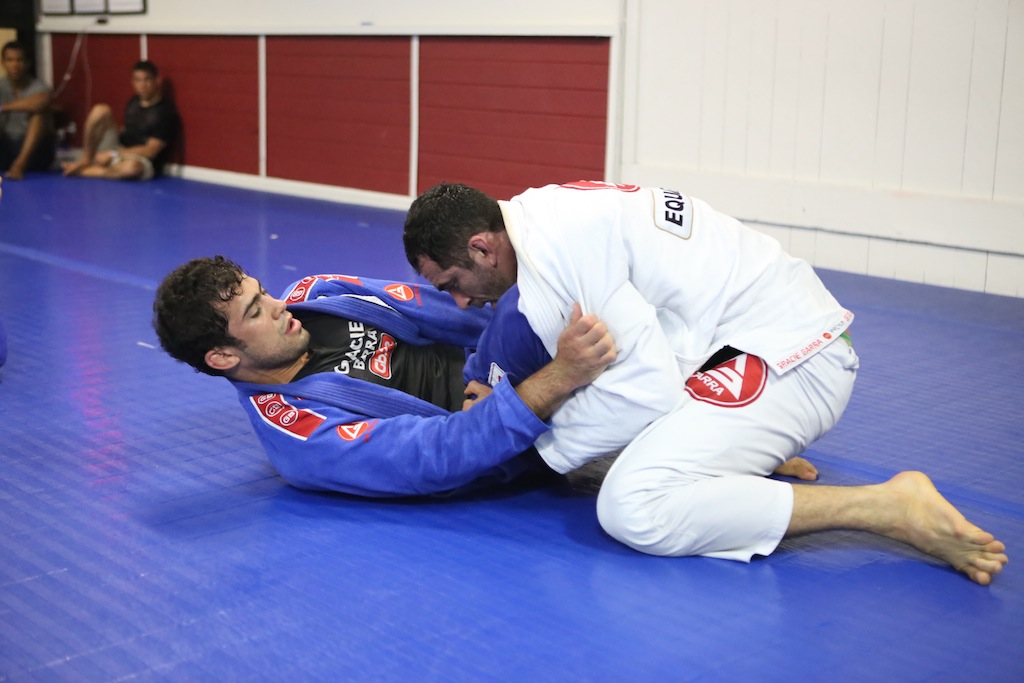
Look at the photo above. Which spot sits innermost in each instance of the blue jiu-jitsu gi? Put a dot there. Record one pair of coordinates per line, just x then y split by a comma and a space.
328, 431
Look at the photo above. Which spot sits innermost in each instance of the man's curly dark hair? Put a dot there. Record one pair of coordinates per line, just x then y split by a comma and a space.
186, 316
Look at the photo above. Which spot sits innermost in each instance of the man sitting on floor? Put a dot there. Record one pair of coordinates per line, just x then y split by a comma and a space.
26, 127
139, 151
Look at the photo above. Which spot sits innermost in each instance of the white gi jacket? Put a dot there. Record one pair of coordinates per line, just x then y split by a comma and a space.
675, 281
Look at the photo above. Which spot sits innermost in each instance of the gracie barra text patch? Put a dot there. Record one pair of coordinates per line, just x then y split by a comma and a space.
673, 212
733, 384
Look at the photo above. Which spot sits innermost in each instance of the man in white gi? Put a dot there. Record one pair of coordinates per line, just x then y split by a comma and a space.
683, 288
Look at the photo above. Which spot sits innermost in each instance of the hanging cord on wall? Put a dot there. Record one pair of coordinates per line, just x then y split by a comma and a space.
80, 43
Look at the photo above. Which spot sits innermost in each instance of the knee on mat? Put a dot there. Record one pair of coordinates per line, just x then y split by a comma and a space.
631, 518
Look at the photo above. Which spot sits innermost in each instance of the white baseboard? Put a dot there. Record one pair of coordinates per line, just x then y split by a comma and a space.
294, 188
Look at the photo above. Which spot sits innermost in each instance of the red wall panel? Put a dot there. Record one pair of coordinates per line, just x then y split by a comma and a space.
102, 73
214, 82
504, 114
338, 111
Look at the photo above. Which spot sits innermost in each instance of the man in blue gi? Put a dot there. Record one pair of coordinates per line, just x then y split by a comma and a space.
355, 385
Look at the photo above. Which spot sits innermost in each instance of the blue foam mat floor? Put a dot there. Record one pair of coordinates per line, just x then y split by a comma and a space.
144, 536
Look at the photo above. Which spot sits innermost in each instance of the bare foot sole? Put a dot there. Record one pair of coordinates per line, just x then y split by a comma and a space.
931, 524
799, 468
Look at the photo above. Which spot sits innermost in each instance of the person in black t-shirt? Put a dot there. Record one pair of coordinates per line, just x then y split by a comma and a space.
139, 150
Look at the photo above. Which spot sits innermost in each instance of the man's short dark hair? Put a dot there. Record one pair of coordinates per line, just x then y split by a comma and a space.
441, 221
188, 311
147, 66
14, 45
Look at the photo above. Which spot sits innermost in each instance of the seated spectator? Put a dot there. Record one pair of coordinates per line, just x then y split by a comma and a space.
26, 130
139, 150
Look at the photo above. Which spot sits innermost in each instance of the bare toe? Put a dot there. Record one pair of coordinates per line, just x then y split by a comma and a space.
799, 468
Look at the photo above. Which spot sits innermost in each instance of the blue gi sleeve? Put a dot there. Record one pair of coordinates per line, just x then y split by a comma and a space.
318, 446
508, 349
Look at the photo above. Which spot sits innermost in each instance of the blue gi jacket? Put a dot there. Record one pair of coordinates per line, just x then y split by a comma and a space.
331, 432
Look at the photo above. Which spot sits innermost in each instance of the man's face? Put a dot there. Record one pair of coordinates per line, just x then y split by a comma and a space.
473, 286
145, 84
273, 338
15, 64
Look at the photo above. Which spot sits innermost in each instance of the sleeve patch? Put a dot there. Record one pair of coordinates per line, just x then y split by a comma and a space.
673, 212
304, 287
283, 416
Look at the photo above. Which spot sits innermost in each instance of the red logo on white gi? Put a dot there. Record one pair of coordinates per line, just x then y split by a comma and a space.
282, 415
380, 363
400, 291
600, 185
733, 384
353, 431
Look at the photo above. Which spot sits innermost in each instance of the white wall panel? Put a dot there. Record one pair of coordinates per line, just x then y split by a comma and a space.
1009, 182
954, 268
850, 110
940, 79
894, 82
811, 98
711, 91
763, 18
738, 80
786, 89
667, 90
847, 253
883, 258
985, 93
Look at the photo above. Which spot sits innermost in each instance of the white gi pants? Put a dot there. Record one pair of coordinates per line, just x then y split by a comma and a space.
693, 482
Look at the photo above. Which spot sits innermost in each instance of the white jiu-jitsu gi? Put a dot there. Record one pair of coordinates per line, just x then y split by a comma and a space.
675, 281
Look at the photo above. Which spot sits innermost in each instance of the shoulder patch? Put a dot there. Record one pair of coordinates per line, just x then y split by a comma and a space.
304, 287
299, 423
673, 212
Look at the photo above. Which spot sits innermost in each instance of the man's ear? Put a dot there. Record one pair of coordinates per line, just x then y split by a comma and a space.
222, 358
481, 249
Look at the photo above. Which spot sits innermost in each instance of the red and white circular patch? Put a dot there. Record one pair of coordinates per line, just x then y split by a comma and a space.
733, 384
400, 291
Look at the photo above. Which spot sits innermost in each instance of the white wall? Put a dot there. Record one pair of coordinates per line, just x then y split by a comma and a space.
878, 136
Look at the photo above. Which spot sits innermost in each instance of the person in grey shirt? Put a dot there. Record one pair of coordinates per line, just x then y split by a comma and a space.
26, 127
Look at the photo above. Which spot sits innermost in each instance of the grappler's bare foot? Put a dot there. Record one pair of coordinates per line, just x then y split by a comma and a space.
74, 167
799, 468
15, 172
931, 524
